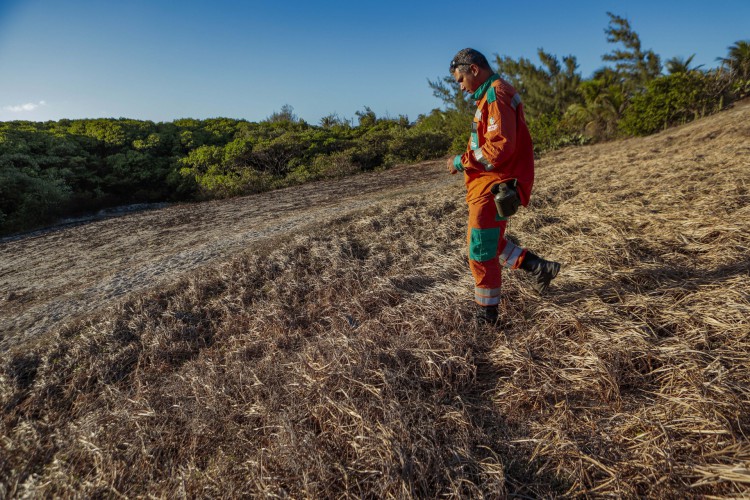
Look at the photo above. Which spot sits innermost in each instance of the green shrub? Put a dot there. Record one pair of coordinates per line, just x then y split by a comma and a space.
335, 165
370, 150
453, 125
549, 132
417, 145
27, 201
668, 101
218, 183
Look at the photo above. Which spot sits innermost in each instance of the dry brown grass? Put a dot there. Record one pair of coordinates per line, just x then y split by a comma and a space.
343, 362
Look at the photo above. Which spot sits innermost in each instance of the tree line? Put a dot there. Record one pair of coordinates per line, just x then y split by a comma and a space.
634, 93
59, 168
69, 167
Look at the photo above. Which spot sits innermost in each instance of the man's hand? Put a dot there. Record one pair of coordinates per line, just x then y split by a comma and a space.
451, 169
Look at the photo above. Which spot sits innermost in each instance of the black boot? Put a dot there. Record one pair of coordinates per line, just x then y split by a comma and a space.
542, 271
486, 315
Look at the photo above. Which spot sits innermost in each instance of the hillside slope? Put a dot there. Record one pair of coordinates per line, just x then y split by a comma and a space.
51, 278
340, 359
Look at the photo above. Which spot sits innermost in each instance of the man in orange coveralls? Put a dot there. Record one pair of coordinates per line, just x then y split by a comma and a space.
499, 150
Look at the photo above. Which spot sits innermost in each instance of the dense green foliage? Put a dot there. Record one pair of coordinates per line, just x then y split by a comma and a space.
673, 100
53, 169
631, 96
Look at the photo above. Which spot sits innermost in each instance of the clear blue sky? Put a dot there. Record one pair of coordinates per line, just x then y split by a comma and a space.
162, 60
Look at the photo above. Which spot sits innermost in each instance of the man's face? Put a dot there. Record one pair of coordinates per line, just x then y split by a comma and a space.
469, 81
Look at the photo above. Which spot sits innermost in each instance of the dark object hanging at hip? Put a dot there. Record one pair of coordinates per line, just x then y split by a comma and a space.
506, 198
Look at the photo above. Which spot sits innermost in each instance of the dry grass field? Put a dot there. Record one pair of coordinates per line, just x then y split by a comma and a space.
321, 345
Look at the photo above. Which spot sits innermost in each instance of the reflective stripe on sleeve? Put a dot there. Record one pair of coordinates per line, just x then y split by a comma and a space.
481, 159
510, 254
478, 115
515, 101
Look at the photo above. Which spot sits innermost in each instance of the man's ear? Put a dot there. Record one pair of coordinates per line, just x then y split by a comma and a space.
474, 69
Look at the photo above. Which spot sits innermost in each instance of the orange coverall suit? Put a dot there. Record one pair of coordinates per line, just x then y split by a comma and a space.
499, 150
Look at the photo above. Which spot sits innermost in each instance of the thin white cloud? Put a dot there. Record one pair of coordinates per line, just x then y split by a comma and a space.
20, 108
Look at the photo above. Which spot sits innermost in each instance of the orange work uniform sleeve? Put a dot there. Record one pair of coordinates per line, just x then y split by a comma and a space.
498, 129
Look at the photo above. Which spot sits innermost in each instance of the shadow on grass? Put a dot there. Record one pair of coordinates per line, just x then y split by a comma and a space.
525, 475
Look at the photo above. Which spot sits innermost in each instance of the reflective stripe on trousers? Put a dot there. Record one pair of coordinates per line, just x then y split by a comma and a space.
489, 250
487, 296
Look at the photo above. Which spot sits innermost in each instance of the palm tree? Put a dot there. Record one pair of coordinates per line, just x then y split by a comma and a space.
680, 65
605, 98
738, 64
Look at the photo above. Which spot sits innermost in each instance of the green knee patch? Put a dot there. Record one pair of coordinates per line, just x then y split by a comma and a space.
484, 242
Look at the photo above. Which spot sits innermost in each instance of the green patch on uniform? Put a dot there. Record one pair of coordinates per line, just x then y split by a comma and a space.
491, 95
484, 243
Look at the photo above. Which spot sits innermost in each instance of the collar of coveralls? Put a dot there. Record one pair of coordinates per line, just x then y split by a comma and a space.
478, 93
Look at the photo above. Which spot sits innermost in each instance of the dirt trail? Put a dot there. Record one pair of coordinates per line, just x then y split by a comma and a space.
51, 278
